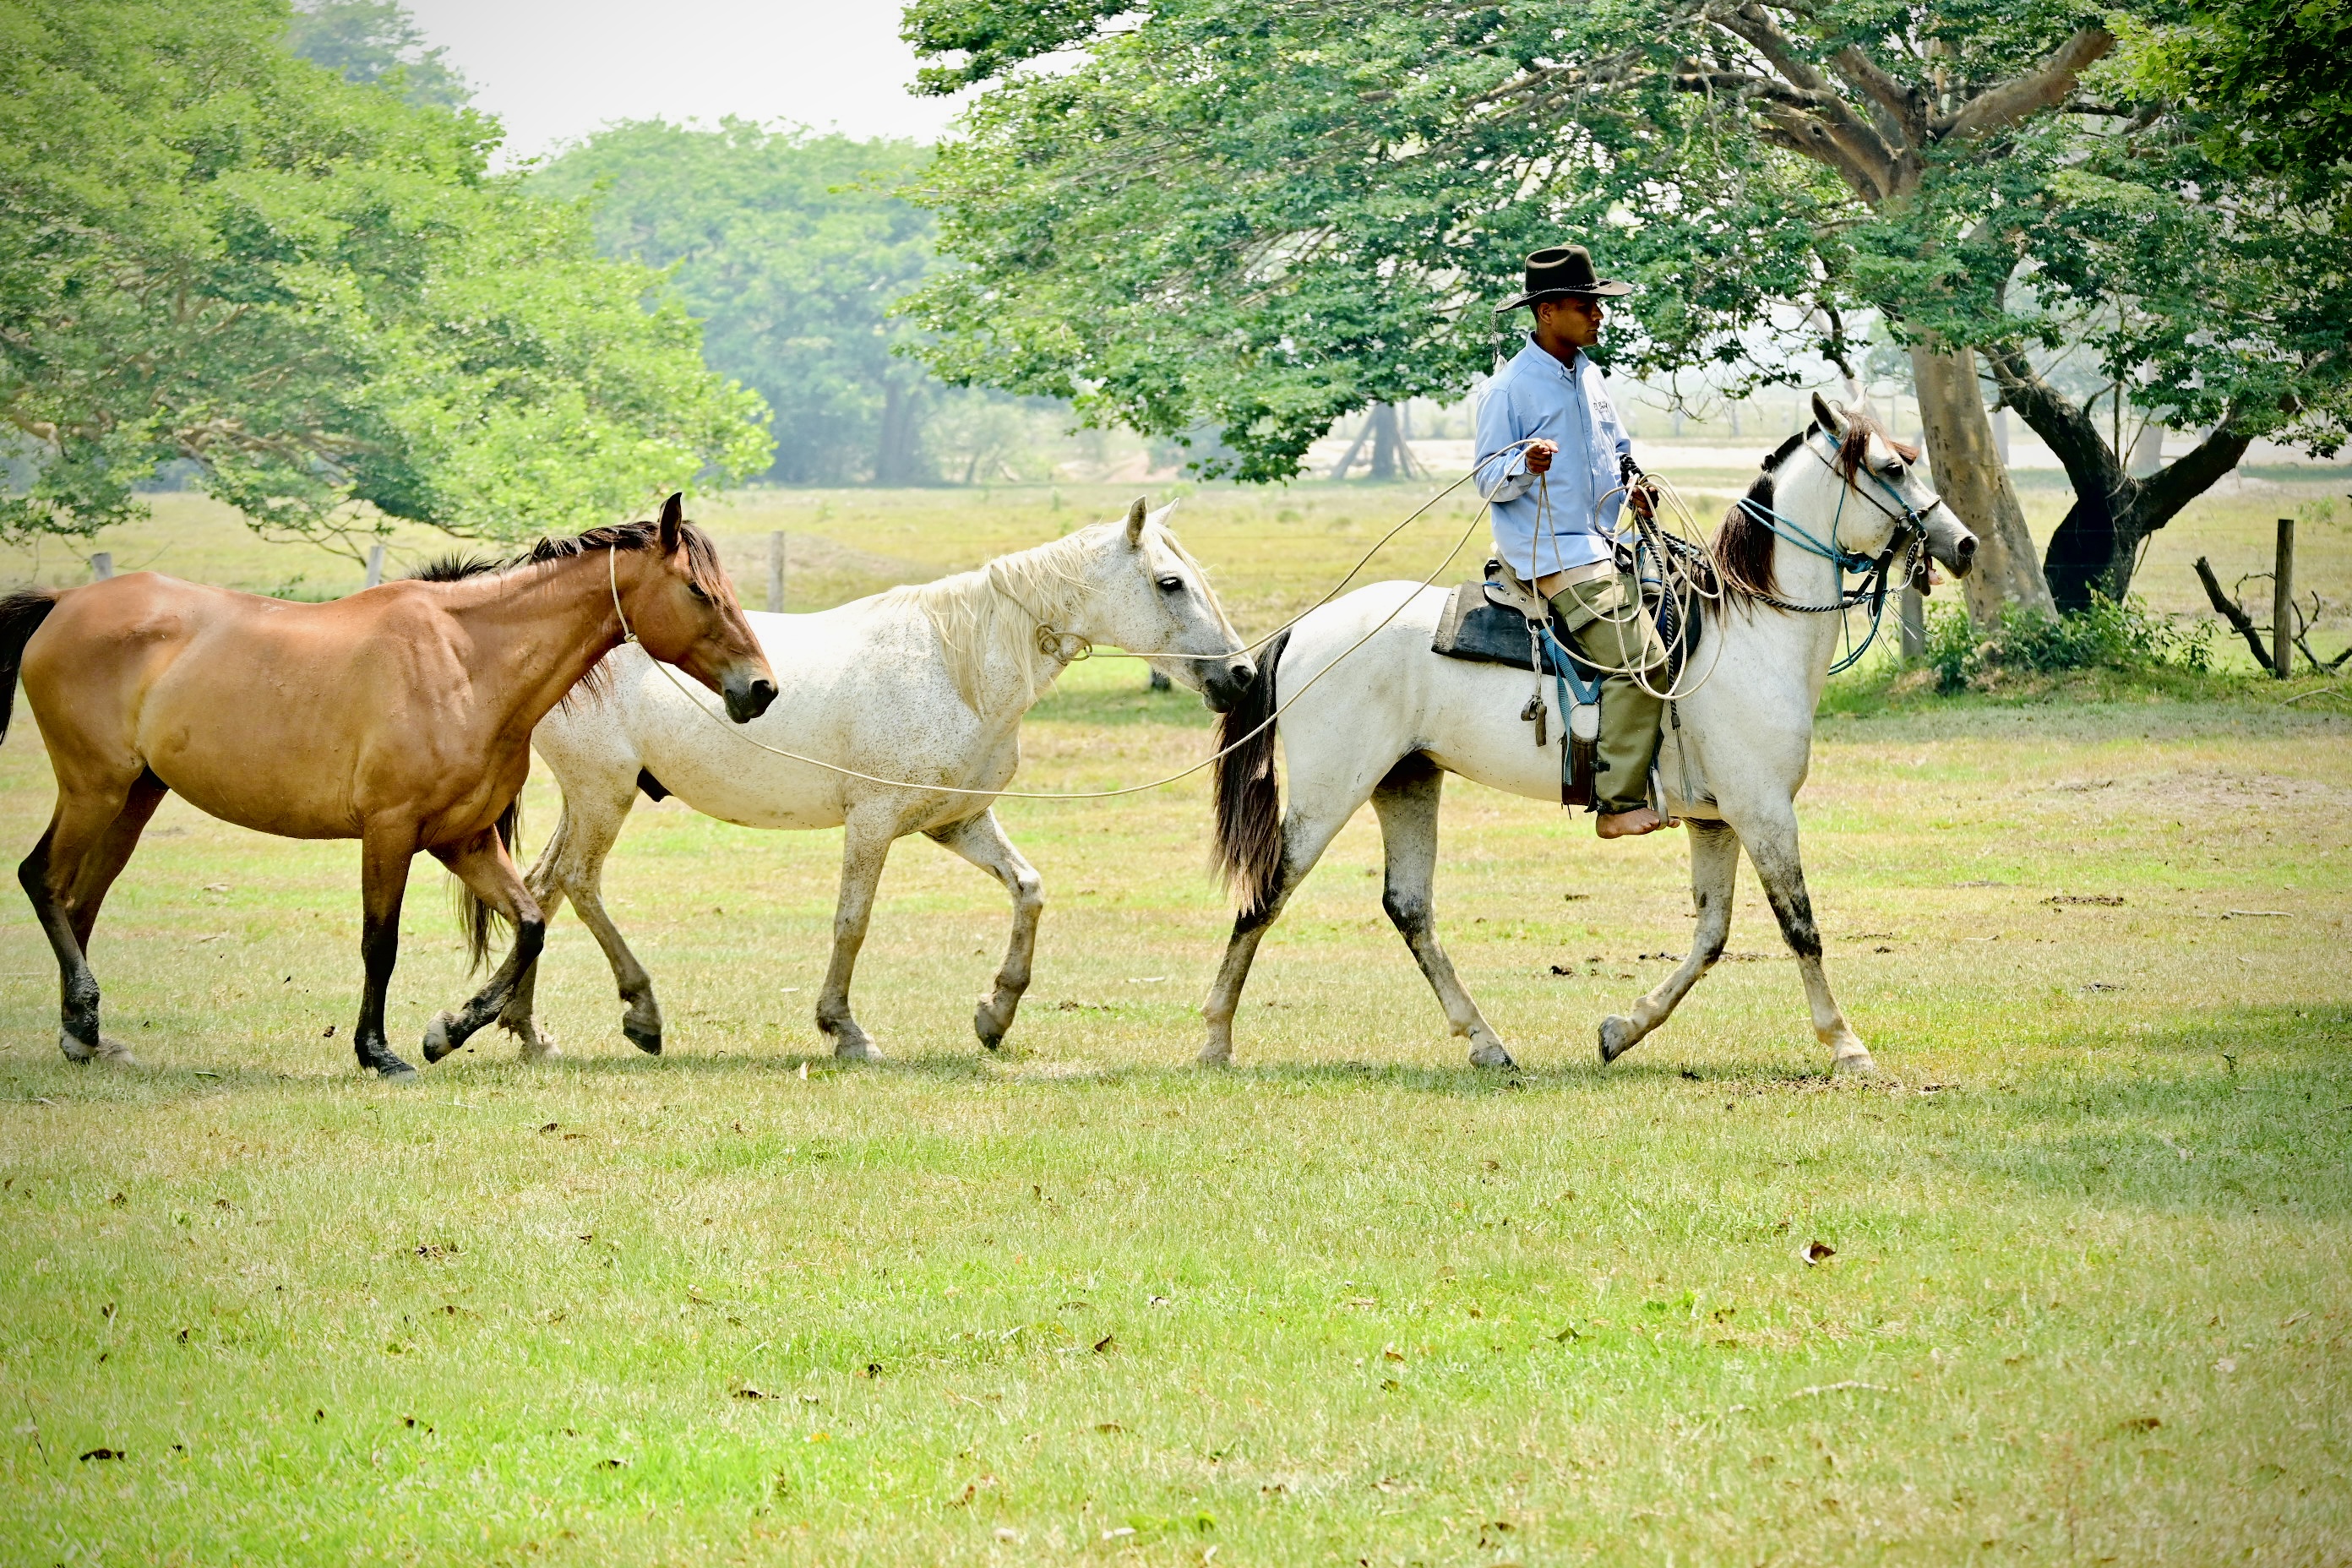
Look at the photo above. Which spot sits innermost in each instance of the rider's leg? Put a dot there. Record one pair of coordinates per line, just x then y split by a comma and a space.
1604, 621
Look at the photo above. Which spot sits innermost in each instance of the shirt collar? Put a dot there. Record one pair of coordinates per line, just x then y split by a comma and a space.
1536, 356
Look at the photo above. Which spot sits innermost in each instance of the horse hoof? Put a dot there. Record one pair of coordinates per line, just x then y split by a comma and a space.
991, 1033
111, 1053
1617, 1037
1492, 1054
1215, 1056
438, 1043
646, 1041
391, 1069
1854, 1064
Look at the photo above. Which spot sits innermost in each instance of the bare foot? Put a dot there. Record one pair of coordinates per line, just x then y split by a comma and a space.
1630, 823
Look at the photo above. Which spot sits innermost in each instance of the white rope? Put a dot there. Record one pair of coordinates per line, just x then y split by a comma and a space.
1271, 719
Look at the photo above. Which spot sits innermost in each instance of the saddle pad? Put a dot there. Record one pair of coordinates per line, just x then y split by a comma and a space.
1483, 632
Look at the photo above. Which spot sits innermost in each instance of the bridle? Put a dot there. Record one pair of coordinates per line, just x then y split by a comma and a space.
1909, 537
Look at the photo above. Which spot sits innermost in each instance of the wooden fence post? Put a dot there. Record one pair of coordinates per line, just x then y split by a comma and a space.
2283, 602
101, 566
776, 573
375, 563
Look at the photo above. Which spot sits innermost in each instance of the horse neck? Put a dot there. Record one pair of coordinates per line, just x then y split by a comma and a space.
534, 632
1003, 691
1804, 645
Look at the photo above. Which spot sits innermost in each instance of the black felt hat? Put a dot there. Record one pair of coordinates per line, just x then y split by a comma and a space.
1563, 271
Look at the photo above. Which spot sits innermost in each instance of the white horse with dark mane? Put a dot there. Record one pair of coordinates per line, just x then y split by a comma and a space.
1390, 718
921, 689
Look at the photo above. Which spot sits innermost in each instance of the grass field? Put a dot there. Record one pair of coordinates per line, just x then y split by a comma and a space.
1348, 1302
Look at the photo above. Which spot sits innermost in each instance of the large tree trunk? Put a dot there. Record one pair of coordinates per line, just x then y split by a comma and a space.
2097, 546
896, 461
1974, 483
1390, 460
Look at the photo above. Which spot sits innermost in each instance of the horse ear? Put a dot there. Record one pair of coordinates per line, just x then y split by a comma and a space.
672, 518
1135, 516
1828, 417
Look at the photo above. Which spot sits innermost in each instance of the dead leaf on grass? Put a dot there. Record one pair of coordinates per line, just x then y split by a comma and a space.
106, 1454
1106, 1345
1816, 1252
2140, 1424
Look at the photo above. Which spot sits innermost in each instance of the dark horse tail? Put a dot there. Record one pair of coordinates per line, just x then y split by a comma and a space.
21, 614
1249, 801
477, 920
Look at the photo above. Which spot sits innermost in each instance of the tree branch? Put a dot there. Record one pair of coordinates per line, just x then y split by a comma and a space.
2069, 430
2166, 491
1906, 105
2228, 610
2050, 83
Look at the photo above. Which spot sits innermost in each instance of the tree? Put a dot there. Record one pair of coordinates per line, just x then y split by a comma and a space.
793, 247
211, 250
376, 43
1269, 217
2268, 81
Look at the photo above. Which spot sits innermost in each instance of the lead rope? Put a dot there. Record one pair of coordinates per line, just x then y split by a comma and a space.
628, 634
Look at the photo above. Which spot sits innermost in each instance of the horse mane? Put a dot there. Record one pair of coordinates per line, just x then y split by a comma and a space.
703, 567
988, 618
1744, 542
702, 562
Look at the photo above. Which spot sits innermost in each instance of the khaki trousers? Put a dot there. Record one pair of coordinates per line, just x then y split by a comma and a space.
1601, 618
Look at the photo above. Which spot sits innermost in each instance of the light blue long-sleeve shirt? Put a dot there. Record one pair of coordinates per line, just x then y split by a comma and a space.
1541, 529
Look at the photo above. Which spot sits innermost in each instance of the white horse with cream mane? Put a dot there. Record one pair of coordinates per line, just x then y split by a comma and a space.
922, 687
1390, 718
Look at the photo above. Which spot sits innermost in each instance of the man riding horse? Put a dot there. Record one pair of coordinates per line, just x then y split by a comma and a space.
1555, 521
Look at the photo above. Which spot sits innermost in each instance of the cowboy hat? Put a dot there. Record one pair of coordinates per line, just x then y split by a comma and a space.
1562, 271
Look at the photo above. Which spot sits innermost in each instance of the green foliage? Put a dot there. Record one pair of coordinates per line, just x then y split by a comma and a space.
793, 247
377, 44
1261, 218
2127, 637
2272, 79
213, 251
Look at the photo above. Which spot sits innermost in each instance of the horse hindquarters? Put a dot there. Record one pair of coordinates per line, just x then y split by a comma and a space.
1339, 737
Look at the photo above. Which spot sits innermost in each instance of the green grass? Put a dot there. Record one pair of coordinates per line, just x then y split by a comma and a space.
1354, 1301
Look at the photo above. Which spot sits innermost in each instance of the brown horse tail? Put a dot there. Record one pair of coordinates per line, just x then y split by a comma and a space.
1249, 801
476, 919
21, 614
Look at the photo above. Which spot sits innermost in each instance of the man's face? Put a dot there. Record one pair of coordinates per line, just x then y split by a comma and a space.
1572, 321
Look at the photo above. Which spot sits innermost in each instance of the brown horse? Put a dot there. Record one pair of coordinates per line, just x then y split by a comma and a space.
400, 717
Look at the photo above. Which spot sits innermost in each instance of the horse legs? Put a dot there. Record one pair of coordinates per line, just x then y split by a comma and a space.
517, 980
1715, 862
866, 842
1772, 850
482, 863
1304, 839
386, 851
1407, 802
88, 841
981, 840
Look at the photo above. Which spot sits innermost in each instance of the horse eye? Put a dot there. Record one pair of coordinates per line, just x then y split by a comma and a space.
699, 591
1171, 584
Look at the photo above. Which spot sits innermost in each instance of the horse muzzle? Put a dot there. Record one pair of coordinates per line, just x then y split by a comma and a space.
1222, 685
747, 700
1949, 544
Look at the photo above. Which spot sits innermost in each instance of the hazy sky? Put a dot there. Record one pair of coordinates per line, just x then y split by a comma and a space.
556, 69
